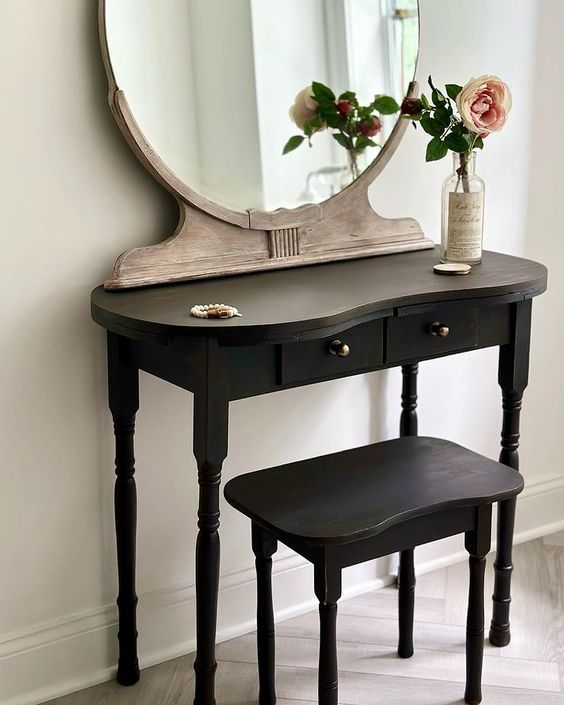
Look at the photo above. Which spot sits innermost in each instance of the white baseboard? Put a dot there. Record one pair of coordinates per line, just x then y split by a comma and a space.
61, 657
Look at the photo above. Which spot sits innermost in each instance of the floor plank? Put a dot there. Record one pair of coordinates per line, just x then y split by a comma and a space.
383, 660
530, 671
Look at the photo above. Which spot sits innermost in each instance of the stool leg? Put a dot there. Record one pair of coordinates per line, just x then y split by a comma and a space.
406, 603
406, 572
477, 545
264, 546
328, 591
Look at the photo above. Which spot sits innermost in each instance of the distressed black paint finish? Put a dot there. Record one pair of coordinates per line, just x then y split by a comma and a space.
264, 547
211, 408
406, 568
408, 418
327, 584
290, 304
513, 378
290, 317
123, 387
477, 544
386, 496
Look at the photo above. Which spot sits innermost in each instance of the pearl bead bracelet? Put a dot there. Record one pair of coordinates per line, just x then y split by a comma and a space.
214, 311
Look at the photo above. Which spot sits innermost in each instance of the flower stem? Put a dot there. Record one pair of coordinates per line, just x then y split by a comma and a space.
462, 171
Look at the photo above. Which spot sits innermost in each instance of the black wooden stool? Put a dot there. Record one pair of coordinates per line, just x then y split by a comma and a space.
345, 508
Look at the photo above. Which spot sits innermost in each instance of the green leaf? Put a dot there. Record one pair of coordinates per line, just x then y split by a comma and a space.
341, 139
438, 98
293, 143
313, 125
326, 110
322, 93
456, 142
425, 101
436, 149
362, 142
453, 90
479, 143
335, 121
385, 105
442, 116
432, 127
348, 95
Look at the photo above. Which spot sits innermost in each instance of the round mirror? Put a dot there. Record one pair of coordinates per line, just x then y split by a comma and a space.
211, 85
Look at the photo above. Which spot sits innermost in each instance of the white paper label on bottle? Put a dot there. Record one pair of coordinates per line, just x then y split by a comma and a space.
465, 224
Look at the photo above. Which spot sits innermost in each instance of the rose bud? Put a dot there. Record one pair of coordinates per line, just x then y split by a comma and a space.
344, 107
370, 127
412, 106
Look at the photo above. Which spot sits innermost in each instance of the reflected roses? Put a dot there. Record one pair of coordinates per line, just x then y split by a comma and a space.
304, 108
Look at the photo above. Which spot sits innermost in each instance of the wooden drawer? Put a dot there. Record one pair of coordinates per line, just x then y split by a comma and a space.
422, 335
310, 360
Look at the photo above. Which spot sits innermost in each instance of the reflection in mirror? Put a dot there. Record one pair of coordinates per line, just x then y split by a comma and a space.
210, 83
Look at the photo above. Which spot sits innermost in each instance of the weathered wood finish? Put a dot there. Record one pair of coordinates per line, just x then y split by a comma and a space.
212, 240
378, 512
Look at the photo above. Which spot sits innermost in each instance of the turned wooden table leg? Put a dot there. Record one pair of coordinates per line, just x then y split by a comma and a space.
406, 571
210, 448
123, 380
513, 378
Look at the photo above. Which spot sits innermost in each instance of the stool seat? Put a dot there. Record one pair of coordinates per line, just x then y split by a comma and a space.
359, 493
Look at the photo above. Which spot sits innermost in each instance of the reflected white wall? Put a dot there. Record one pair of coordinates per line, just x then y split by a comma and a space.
152, 59
210, 84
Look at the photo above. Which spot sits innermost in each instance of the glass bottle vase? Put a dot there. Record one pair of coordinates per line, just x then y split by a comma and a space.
462, 226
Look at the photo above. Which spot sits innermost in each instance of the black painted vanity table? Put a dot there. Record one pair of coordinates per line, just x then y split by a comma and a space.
301, 326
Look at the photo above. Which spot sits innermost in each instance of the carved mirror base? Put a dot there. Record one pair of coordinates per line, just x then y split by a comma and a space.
203, 246
213, 241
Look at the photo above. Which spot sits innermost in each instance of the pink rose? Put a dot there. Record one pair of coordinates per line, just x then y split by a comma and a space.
483, 104
344, 107
371, 127
304, 108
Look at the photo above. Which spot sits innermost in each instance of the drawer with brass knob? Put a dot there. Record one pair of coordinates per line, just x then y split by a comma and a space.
358, 349
440, 330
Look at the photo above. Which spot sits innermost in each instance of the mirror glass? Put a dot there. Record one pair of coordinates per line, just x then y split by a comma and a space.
211, 82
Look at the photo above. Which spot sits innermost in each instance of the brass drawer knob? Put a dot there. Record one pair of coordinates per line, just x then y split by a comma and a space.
439, 329
338, 348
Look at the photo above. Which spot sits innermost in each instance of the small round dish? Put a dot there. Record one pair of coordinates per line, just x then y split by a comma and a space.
450, 268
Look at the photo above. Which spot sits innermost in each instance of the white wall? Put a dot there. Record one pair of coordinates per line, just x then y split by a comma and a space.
72, 198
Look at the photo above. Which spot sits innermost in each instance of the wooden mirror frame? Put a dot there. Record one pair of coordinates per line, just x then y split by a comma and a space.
211, 240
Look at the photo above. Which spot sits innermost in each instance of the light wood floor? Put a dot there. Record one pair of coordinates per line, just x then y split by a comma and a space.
529, 671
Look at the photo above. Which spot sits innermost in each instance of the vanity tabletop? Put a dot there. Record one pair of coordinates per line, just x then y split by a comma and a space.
294, 303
